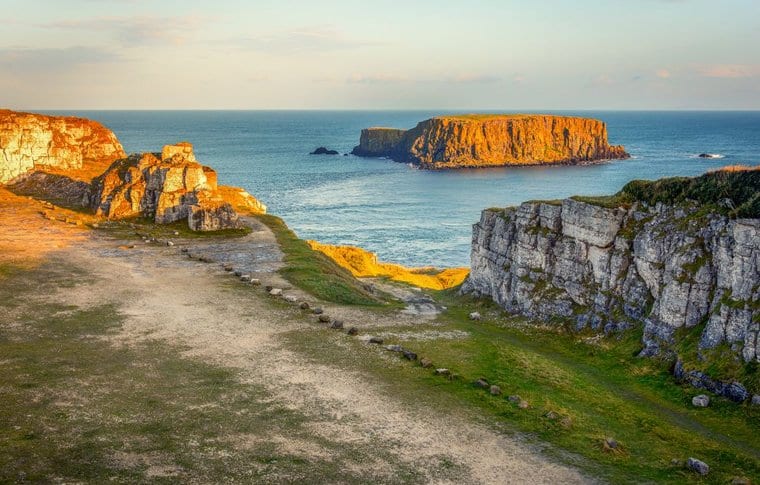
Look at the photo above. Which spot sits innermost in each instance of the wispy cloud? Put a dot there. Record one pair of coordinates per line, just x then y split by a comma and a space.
53, 59
138, 30
376, 79
469, 78
387, 78
302, 40
730, 71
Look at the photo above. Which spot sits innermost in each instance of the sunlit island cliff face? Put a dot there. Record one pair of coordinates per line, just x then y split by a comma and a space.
469, 141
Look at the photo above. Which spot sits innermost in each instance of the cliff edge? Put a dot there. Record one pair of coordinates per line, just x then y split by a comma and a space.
678, 258
492, 140
32, 141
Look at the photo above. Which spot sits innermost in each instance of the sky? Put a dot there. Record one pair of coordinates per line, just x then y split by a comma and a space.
411, 54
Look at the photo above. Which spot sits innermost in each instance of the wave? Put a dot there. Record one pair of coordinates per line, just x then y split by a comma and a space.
708, 155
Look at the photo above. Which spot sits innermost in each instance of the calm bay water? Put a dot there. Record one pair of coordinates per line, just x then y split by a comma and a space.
410, 216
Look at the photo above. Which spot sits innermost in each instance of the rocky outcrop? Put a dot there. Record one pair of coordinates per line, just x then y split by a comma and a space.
169, 187
379, 142
683, 271
364, 264
492, 140
32, 141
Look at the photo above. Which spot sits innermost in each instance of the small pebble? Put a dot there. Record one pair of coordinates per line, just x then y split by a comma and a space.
290, 298
324, 318
255, 282
337, 324
353, 331
495, 390
393, 348
318, 311
376, 340
426, 363
304, 305
275, 292
442, 372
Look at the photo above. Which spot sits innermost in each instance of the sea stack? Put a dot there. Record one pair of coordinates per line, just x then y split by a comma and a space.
466, 141
34, 141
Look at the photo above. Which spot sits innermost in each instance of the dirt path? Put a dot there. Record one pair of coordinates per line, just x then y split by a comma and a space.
167, 296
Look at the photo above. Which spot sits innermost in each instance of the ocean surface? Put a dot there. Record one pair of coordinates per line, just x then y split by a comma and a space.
410, 216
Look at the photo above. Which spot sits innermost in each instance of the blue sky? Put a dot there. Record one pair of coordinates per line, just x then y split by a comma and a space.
478, 54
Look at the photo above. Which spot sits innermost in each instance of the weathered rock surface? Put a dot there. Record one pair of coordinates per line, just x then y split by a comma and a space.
492, 140
170, 188
679, 271
33, 141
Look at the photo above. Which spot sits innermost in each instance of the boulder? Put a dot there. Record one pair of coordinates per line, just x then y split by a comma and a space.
495, 390
698, 466
474, 316
700, 401
376, 340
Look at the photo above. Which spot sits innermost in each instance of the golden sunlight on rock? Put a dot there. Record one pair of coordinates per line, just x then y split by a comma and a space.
364, 264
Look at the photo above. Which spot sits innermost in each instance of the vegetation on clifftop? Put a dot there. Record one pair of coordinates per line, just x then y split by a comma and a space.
734, 191
315, 272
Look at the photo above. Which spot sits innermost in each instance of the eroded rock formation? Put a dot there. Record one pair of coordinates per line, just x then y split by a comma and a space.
492, 140
684, 271
169, 187
33, 141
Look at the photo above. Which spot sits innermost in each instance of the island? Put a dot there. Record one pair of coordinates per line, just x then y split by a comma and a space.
492, 140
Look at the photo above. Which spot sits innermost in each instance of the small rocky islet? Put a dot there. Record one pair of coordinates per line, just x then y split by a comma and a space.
473, 141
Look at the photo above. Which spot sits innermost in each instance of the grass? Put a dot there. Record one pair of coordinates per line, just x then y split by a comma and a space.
75, 408
315, 272
741, 187
596, 389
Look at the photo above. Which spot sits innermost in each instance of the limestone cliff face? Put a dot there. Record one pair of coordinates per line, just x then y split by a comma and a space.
29, 141
378, 142
679, 271
170, 188
493, 140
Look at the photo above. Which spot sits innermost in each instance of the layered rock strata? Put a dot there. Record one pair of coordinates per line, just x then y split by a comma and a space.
33, 141
168, 187
492, 140
681, 271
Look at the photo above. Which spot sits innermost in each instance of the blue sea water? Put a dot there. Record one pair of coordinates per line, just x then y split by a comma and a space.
409, 216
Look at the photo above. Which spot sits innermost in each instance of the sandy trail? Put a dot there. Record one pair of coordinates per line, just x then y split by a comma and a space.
169, 297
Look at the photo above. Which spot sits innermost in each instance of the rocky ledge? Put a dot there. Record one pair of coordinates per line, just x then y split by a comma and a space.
168, 187
29, 141
492, 140
678, 258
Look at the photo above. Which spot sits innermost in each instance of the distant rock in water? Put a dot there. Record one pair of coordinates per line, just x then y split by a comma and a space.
168, 187
662, 256
33, 141
324, 151
710, 155
492, 140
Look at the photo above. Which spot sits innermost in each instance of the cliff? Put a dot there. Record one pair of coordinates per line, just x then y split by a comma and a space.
32, 141
492, 140
168, 187
364, 264
678, 258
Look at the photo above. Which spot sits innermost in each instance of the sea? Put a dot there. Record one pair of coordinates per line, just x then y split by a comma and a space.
410, 216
